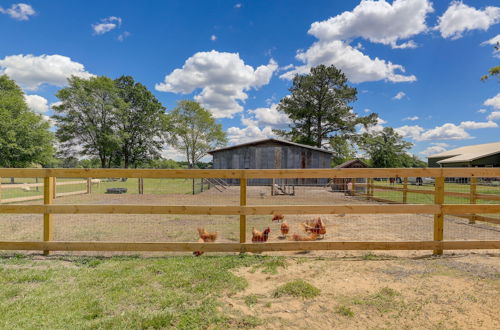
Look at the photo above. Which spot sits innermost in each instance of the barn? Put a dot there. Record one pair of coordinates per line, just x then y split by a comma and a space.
479, 155
269, 154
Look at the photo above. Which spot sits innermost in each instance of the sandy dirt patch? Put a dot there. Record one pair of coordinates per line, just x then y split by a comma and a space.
454, 292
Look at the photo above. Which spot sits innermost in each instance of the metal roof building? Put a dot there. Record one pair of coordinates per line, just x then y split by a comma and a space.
271, 154
479, 155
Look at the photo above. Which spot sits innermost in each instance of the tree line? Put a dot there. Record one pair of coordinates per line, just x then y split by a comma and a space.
101, 122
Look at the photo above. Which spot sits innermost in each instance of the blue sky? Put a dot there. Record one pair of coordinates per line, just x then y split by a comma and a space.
236, 58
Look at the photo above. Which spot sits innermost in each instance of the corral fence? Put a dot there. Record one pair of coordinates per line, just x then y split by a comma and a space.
250, 203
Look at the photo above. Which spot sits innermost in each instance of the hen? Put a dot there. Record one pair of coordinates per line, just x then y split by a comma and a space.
278, 217
297, 237
205, 237
315, 226
260, 236
285, 228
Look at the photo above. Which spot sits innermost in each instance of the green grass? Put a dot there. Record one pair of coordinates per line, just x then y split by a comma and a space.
384, 300
151, 186
251, 300
270, 265
297, 288
120, 292
344, 310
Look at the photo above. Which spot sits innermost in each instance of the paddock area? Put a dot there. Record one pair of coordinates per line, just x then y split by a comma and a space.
171, 213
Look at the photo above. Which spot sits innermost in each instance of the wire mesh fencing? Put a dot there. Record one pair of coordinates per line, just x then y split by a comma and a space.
239, 210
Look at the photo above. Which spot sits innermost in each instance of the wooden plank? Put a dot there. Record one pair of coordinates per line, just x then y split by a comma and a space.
488, 197
405, 190
261, 173
231, 210
248, 247
465, 208
79, 192
472, 195
439, 217
243, 218
48, 198
478, 218
22, 199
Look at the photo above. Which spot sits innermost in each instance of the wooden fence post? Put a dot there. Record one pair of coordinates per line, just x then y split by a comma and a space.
405, 188
353, 180
140, 182
48, 198
55, 187
243, 202
89, 185
439, 218
472, 197
0, 190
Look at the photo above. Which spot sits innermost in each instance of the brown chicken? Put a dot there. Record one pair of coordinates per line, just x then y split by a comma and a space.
285, 228
278, 217
260, 236
298, 237
315, 226
205, 237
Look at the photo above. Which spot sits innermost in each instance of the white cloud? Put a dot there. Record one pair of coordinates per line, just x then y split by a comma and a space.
494, 115
367, 110
213, 37
413, 118
55, 104
19, 11
447, 131
459, 18
378, 22
107, 24
477, 125
37, 103
412, 132
270, 116
123, 36
222, 77
493, 41
493, 102
251, 132
357, 66
481, 110
238, 5
32, 71
436, 148
399, 96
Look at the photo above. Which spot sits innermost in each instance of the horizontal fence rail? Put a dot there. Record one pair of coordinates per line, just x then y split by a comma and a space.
438, 208
249, 174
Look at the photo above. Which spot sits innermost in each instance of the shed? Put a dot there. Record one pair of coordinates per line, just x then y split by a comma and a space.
479, 155
272, 154
340, 184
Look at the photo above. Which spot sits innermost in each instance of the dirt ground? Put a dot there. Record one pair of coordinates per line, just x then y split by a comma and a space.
177, 228
454, 292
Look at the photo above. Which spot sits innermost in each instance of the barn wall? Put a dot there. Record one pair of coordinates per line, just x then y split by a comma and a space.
270, 156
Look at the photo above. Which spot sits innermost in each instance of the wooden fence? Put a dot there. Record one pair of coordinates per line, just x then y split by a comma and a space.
472, 196
438, 209
20, 186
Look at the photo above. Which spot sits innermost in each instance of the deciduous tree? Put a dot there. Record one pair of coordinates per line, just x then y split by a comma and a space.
25, 138
141, 123
386, 148
194, 131
87, 118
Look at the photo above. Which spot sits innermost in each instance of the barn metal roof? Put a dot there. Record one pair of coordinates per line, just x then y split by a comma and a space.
269, 140
468, 153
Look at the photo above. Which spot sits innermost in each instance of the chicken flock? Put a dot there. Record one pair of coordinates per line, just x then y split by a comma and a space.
314, 229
